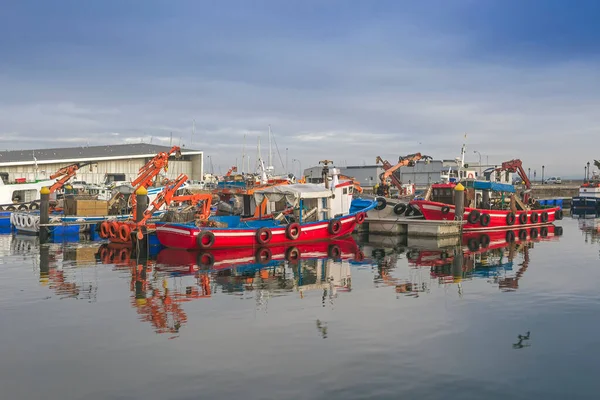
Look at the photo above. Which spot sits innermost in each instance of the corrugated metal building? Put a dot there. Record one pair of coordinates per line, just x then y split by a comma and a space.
111, 159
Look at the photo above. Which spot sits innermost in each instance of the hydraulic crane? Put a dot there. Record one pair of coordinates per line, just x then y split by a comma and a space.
517, 166
231, 171
64, 174
408, 160
150, 171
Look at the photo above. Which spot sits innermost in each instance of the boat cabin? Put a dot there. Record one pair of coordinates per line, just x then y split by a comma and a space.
310, 202
478, 194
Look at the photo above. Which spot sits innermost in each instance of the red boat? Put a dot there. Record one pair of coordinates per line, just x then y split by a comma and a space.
491, 213
320, 213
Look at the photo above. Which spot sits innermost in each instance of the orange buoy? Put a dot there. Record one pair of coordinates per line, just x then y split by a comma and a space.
104, 230
113, 229
124, 233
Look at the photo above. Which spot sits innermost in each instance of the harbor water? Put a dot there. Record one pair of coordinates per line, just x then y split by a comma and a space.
388, 319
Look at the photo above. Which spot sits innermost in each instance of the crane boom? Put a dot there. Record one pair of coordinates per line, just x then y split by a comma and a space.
516, 166
164, 197
402, 162
150, 171
66, 173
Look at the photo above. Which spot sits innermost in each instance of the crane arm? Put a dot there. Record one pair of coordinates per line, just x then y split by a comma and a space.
153, 167
402, 162
194, 199
231, 170
164, 197
516, 166
66, 173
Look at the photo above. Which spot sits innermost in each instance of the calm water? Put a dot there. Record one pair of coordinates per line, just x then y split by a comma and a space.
81, 321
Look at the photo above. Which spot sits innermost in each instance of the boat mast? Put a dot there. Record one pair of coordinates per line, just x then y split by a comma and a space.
270, 165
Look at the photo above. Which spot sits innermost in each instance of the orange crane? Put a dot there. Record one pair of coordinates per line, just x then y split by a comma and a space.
231, 170
150, 171
517, 166
66, 173
408, 160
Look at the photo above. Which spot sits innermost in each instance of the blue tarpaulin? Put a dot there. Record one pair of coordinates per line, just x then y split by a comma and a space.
497, 187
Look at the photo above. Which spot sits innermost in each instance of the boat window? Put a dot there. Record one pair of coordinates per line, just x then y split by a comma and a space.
351, 190
345, 190
24, 196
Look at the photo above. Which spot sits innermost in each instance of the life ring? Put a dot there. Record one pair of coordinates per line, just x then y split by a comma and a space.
523, 234
471, 175
558, 215
473, 244
484, 240
205, 239
29, 222
335, 226
263, 235
293, 230
399, 208
334, 251
205, 260
533, 233
34, 206
113, 229
544, 216
292, 254
510, 236
523, 218
11, 208
23, 207
381, 203
124, 233
534, 217
473, 217
543, 231
19, 219
263, 255
485, 219
104, 230
360, 217
511, 218
445, 210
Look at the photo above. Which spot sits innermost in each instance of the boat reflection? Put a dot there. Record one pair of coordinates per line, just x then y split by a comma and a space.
160, 287
589, 224
490, 255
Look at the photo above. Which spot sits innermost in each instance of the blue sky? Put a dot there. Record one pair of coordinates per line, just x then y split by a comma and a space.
343, 80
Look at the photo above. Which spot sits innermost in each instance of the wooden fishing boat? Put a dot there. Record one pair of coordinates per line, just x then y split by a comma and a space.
321, 212
492, 206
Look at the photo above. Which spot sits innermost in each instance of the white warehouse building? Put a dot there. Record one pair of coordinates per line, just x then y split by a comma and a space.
107, 160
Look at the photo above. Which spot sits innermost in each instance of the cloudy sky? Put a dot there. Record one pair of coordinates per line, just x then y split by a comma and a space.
342, 80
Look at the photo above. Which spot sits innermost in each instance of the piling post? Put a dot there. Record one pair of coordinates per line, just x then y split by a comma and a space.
44, 214
459, 202
140, 237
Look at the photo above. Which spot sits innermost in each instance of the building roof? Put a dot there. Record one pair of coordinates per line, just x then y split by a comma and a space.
84, 153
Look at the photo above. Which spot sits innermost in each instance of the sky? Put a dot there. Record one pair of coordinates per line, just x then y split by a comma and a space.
341, 80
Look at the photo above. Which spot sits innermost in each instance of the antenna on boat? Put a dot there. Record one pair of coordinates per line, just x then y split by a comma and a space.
270, 166
244, 154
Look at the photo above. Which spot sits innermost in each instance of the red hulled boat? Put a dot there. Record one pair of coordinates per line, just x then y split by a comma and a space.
321, 212
497, 209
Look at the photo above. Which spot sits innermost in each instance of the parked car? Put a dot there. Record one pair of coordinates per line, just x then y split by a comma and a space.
555, 180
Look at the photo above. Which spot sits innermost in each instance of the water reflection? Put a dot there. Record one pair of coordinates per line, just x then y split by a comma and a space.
589, 224
160, 286
501, 257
